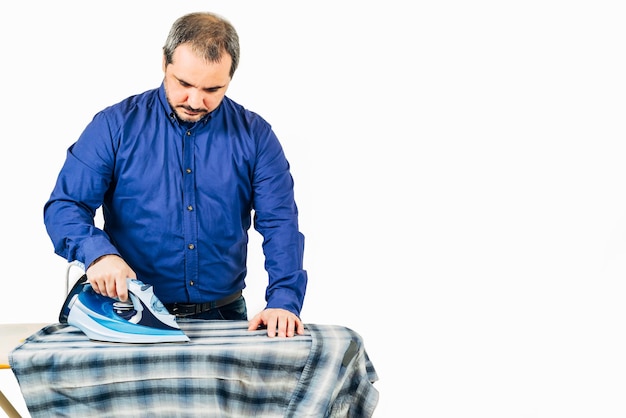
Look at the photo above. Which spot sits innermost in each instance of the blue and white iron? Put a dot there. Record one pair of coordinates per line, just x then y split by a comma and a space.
143, 319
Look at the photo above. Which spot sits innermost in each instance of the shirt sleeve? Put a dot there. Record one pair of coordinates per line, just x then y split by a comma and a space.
276, 219
84, 178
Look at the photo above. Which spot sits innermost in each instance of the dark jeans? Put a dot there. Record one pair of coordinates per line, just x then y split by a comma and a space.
236, 310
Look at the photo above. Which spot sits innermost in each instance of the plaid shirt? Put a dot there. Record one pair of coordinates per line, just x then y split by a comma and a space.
225, 371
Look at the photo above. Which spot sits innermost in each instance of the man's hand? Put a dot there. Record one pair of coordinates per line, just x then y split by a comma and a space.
279, 322
107, 275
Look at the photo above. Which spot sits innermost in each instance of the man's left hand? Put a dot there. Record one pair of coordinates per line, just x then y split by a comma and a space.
279, 322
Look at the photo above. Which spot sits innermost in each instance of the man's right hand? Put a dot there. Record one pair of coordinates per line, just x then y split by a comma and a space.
107, 275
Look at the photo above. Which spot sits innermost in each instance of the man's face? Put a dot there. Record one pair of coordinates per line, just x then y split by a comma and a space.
193, 86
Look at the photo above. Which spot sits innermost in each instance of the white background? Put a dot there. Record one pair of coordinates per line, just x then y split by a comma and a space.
459, 167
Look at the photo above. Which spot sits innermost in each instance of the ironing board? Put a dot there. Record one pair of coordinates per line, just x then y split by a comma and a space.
224, 371
11, 335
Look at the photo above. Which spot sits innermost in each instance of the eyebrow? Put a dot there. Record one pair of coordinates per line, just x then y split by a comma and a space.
180, 80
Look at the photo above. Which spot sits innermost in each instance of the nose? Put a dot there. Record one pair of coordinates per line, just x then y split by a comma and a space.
195, 100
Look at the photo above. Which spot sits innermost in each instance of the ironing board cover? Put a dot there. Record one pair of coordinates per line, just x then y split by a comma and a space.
225, 371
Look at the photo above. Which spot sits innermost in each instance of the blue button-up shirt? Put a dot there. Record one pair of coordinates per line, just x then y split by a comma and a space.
178, 200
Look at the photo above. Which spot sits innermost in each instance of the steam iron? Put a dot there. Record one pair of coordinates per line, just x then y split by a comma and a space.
143, 319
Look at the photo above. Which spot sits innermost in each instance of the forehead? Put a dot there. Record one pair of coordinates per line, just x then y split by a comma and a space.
193, 69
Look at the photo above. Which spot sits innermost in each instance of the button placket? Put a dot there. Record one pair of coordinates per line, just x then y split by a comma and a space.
190, 220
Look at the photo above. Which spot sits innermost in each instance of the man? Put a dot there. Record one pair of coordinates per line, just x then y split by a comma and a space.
179, 171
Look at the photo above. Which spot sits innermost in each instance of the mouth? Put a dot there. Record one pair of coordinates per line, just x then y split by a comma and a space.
191, 112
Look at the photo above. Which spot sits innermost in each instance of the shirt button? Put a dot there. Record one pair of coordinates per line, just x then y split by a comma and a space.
188, 133
191, 283
188, 170
191, 246
189, 208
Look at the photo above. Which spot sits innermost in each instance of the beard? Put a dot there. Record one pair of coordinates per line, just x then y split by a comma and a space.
182, 112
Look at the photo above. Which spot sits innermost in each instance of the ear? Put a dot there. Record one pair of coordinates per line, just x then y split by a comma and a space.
164, 65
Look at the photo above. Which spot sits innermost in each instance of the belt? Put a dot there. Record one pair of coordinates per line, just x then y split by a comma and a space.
188, 309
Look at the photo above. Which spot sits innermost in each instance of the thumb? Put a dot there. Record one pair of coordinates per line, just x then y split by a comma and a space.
254, 323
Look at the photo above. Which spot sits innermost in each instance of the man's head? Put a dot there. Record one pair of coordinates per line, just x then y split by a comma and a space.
200, 57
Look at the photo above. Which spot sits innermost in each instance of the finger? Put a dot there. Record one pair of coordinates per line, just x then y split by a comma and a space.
95, 287
272, 323
254, 323
109, 288
300, 327
282, 326
291, 324
121, 290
